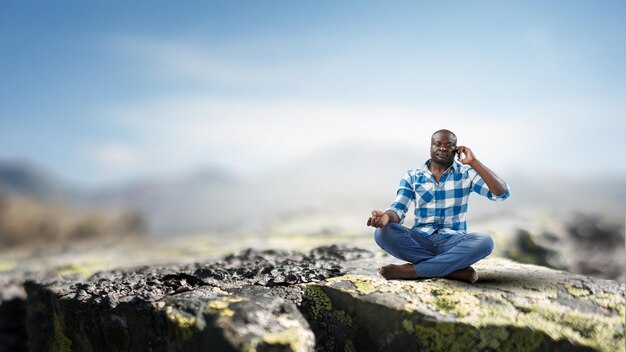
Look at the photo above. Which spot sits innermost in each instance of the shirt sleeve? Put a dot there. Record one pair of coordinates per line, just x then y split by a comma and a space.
404, 196
479, 186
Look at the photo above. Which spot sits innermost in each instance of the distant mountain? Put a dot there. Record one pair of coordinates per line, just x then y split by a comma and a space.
348, 180
175, 204
25, 179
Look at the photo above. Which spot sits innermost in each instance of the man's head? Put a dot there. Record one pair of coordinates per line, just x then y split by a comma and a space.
443, 147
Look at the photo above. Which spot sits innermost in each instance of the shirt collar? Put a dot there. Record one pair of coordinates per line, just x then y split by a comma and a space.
456, 166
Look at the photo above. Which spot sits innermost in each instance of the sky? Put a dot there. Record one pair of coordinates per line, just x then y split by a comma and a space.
102, 92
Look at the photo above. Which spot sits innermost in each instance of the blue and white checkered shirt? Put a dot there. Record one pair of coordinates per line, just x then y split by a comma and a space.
440, 206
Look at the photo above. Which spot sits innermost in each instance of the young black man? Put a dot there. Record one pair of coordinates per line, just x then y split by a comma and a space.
438, 244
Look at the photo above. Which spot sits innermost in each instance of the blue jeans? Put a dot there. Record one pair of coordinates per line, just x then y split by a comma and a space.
435, 255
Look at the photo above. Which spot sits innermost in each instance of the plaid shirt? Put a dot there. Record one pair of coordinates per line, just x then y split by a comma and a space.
440, 206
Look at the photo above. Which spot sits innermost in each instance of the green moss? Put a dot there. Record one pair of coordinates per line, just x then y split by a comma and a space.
349, 346
84, 269
595, 331
460, 303
492, 337
343, 317
6, 265
583, 324
247, 347
227, 313
183, 322
522, 340
613, 302
540, 315
319, 300
575, 291
437, 337
583, 329
457, 337
60, 343
182, 319
520, 311
407, 325
222, 305
541, 290
218, 304
364, 287
293, 337
287, 337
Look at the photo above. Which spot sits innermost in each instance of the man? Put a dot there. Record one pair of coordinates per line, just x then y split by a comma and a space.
438, 245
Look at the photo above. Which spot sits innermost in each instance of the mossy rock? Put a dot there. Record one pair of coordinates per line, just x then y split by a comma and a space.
274, 301
199, 320
513, 307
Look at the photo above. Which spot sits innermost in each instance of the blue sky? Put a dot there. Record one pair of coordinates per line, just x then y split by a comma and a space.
100, 93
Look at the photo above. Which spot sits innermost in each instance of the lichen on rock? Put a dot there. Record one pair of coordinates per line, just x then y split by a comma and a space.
513, 307
329, 299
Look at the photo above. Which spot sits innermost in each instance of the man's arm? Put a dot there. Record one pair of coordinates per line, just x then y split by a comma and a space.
404, 195
496, 185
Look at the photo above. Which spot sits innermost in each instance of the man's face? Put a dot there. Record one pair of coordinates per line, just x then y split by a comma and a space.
443, 148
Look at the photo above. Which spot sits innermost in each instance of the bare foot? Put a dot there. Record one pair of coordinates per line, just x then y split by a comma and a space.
466, 274
398, 271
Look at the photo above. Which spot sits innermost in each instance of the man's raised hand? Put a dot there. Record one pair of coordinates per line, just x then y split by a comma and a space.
378, 219
469, 155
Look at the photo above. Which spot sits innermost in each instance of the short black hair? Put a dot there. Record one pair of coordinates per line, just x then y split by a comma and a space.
443, 130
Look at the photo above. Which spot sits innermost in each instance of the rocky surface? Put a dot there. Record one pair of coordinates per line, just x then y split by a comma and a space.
513, 307
328, 299
247, 301
585, 244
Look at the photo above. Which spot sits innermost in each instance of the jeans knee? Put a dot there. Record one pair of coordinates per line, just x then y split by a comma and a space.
383, 235
379, 236
487, 244
484, 243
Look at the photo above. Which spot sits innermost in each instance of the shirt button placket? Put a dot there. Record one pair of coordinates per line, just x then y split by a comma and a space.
439, 203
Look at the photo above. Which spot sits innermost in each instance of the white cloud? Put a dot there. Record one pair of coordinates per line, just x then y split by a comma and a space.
251, 134
189, 60
114, 156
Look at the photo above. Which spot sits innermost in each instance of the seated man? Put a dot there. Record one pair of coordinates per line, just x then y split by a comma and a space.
438, 245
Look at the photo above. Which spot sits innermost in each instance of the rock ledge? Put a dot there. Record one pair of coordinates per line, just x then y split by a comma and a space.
329, 299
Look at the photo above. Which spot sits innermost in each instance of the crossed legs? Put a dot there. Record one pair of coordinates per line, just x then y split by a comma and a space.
425, 260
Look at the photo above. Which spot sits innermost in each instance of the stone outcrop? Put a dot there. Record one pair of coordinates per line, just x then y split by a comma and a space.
587, 244
513, 307
244, 302
329, 299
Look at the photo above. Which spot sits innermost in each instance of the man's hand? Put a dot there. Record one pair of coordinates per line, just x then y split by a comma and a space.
469, 155
495, 184
378, 219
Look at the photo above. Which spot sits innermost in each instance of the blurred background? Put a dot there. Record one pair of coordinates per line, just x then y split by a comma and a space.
191, 129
